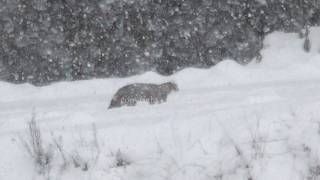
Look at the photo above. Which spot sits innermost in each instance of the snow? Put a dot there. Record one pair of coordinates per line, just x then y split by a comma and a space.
259, 122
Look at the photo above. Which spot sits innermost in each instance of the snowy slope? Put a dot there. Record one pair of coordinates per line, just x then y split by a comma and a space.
259, 122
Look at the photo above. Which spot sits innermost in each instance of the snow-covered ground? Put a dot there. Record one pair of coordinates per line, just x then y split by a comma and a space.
229, 122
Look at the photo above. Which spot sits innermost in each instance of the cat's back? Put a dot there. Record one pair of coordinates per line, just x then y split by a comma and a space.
136, 88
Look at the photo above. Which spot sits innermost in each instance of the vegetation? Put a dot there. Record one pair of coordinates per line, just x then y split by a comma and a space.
49, 40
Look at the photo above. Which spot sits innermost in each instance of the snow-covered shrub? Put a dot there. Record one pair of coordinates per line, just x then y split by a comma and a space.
314, 172
39, 151
121, 160
79, 162
51, 157
80, 158
83, 154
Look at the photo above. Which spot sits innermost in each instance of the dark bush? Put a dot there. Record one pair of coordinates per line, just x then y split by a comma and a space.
50, 40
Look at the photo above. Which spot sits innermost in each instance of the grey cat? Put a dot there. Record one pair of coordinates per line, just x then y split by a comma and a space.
130, 94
